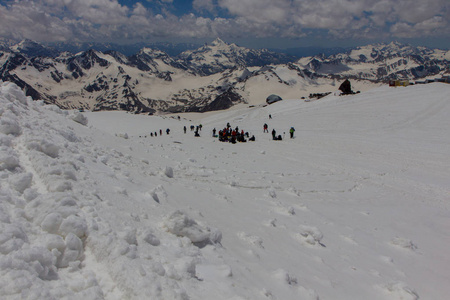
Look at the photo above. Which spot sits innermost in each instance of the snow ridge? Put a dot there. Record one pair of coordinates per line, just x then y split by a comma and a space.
49, 216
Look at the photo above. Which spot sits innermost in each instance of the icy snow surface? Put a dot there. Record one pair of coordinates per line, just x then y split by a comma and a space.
356, 206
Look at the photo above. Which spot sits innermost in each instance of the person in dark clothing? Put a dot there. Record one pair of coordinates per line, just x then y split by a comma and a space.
274, 133
214, 132
252, 138
167, 130
240, 138
184, 128
266, 128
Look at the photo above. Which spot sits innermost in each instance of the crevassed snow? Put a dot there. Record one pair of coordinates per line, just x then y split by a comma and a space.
356, 206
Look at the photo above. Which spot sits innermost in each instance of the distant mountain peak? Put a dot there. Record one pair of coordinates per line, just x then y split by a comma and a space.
26, 44
152, 80
33, 48
218, 42
395, 43
154, 53
219, 56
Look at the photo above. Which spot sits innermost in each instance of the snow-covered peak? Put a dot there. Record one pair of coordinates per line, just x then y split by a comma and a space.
32, 48
153, 53
218, 42
380, 62
154, 60
218, 56
5, 44
86, 60
25, 45
119, 57
395, 45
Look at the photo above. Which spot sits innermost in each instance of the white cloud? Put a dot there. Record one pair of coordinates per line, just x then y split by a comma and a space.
28, 21
420, 10
105, 19
139, 10
203, 5
259, 11
430, 27
343, 18
103, 12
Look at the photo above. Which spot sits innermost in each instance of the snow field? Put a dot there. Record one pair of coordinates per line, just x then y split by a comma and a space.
355, 206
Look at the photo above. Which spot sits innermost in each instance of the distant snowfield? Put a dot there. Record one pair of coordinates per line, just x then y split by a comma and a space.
356, 206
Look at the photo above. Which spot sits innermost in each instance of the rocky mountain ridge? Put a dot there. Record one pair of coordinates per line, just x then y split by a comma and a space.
214, 76
382, 62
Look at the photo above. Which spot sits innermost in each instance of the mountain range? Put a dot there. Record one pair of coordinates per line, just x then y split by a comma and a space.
211, 77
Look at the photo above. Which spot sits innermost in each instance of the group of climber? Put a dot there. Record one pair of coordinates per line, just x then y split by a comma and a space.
197, 128
276, 137
228, 134
160, 132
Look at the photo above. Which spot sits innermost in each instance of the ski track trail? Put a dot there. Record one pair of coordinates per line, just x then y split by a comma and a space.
28, 166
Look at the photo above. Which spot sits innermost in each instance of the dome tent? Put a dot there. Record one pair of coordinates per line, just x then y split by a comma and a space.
273, 98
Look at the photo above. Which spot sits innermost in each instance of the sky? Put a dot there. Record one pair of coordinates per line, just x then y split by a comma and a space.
249, 23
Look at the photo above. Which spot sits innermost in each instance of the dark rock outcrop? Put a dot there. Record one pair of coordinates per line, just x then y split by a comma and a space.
346, 87
223, 101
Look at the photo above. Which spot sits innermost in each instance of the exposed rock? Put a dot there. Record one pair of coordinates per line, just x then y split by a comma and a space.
346, 87
223, 101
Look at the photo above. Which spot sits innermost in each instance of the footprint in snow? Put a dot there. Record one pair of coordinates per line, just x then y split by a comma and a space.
251, 239
213, 272
400, 290
301, 207
288, 211
387, 259
272, 223
307, 294
284, 277
404, 244
158, 194
271, 193
349, 240
310, 235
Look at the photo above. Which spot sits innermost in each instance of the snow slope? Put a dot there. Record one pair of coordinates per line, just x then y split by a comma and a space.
356, 206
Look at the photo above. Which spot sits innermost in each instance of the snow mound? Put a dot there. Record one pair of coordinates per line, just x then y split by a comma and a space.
78, 117
180, 224
42, 226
